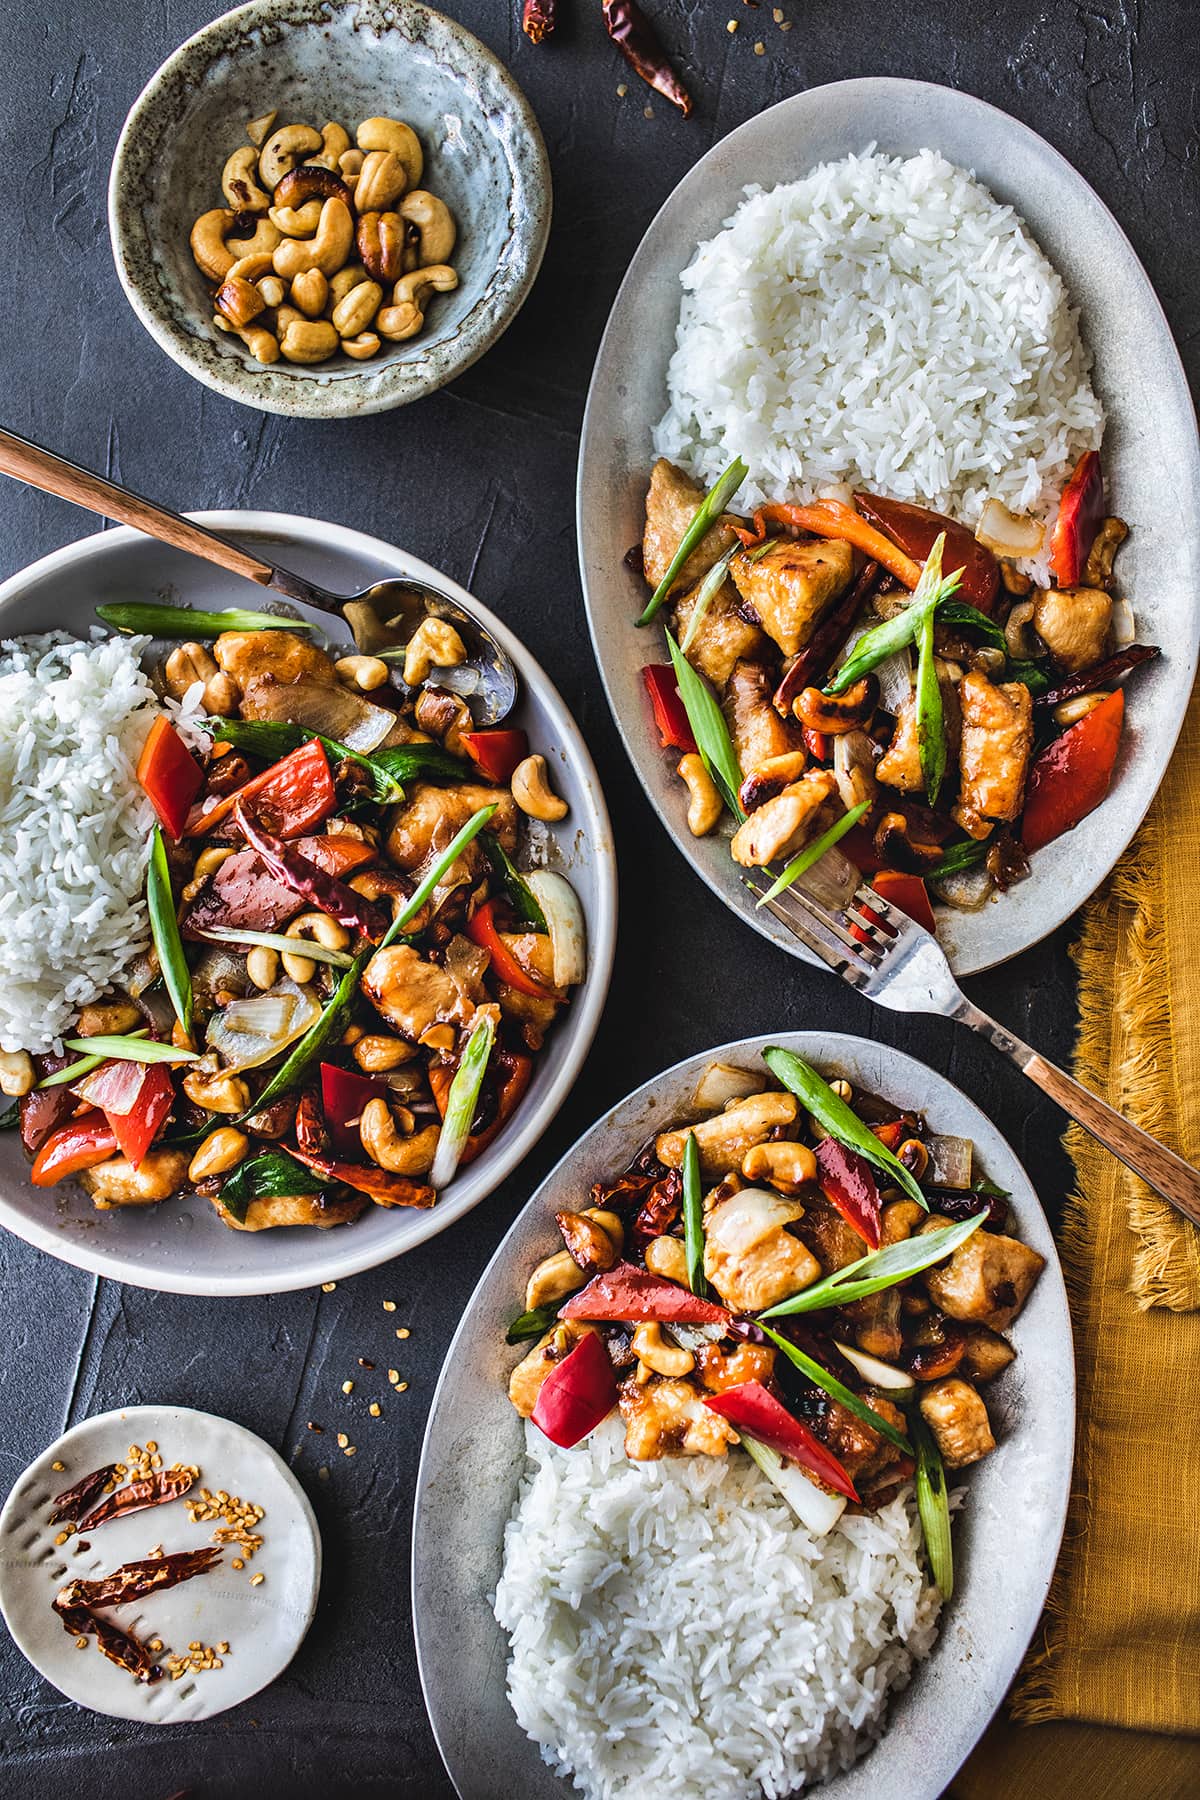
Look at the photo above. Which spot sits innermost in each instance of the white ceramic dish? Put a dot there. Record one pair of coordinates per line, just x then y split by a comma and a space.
181, 1246
263, 1623
1006, 1540
1152, 427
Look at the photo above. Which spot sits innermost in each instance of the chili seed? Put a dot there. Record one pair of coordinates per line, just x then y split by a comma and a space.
257, 1580
389, 1306
347, 1387
327, 1287
58, 1467
375, 1409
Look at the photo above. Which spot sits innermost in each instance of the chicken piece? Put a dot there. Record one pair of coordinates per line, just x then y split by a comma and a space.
997, 736
671, 504
296, 1209
720, 1369
863, 1453
987, 1281
284, 655
781, 826
668, 1417
1098, 570
413, 995
791, 585
525, 1382
444, 715
724, 1139
985, 1353
432, 816
756, 729
160, 1174
750, 1257
832, 1241
877, 1318
722, 637
958, 1419
1073, 623
534, 952
900, 764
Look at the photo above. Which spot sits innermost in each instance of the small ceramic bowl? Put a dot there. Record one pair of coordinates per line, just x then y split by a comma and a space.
314, 61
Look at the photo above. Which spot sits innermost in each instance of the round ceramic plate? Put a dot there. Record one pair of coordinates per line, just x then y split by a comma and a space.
182, 1246
474, 1455
1151, 427
263, 1622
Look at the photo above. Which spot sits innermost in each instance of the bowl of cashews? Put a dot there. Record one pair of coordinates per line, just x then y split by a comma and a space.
323, 211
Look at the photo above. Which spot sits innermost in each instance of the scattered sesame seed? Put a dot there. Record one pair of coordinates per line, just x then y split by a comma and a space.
404, 1332
327, 1287
402, 1387
58, 1467
389, 1306
81, 1643
151, 1445
313, 1426
732, 26
786, 26
343, 1440
195, 1644
347, 1387
364, 1364
237, 1563
257, 1580
393, 1376
222, 1649
350, 1450
760, 49
62, 1537
155, 1644
375, 1410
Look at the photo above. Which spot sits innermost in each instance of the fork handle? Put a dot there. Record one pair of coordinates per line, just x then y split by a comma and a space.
1164, 1171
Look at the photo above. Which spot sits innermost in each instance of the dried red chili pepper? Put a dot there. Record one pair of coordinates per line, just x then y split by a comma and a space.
311, 883
1101, 676
136, 1496
661, 1208
815, 660
74, 1501
384, 1188
136, 1580
636, 39
538, 19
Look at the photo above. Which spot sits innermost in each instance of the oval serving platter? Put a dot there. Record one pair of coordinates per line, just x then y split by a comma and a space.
181, 1246
473, 1459
1137, 373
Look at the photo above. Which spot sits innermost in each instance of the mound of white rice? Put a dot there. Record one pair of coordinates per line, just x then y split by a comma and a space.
676, 1632
883, 322
74, 828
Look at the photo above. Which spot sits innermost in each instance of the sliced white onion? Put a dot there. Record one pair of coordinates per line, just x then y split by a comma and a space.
721, 1083
251, 1043
267, 1015
969, 889
950, 1160
1124, 624
564, 921
462, 1101
813, 1507
894, 676
878, 1374
840, 491
1008, 533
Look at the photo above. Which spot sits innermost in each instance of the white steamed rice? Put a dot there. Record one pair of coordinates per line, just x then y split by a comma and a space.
677, 1633
883, 322
74, 828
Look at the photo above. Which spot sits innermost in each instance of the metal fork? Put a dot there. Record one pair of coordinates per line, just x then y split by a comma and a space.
878, 949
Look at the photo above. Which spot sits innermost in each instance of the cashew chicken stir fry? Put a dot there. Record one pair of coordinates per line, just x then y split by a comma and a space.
808, 1269
350, 979
886, 677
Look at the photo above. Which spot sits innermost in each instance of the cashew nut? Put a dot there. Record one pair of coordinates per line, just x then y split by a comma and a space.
434, 225
784, 1165
588, 1242
311, 181
297, 221
309, 341
263, 345
345, 281
16, 1073
915, 1157
262, 966
382, 244
666, 1256
532, 791
107, 1018
272, 290
362, 347
383, 1144
283, 150
219, 1093
206, 864
207, 241
315, 925
251, 268
326, 251
1021, 644
238, 184
335, 141
552, 1280
239, 301
376, 1054
399, 138
222, 1150
190, 663
365, 672
310, 291
410, 296
261, 241
260, 129
650, 1347
381, 181
350, 166
705, 805
1069, 712
354, 313
435, 644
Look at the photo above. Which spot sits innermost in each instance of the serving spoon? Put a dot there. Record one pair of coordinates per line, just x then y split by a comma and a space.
382, 617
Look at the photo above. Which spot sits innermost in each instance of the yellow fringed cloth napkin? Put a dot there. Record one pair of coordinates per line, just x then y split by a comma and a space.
1120, 1643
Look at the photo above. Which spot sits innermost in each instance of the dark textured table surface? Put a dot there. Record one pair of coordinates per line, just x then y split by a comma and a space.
479, 480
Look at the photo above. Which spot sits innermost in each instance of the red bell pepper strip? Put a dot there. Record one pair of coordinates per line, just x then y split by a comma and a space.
846, 1181
859, 845
304, 878
482, 930
629, 1293
670, 714
135, 1098
170, 775
755, 1411
832, 519
577, 1394
1073, 774
337, 853
512, 1069
893, 1134
81, 1144
384, 1188
291, 797
915, 528
909, 893
497, 753
43, 1110
1080, 512
344, 1094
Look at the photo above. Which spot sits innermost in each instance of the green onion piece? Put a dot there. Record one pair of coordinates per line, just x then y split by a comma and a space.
705, 516
981, 1185
129, 1049
931, 729
708, 728
813, 852
933, 1505
184, 622
704, 598
519, 892
461, 1102
534, 1324
958, 857
164, 927
275, 940
881, 1269
405, 762
760, 550
693, 1216
834, 1116
273, 738
265, 1177
449, 856
76, 1070
839, 1391
969, 618
882, 641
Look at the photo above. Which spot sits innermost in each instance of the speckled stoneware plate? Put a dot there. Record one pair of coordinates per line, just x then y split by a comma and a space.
182, 1246
316, 60
1006, 1538
1151, 427
263, 1622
